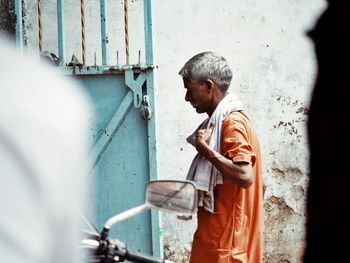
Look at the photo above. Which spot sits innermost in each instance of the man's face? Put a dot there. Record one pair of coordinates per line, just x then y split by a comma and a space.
199, 95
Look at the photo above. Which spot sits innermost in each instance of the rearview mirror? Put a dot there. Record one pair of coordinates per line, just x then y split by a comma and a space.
172, 196
166, 195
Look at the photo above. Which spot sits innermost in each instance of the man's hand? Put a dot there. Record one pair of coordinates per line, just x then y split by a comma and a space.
203, 137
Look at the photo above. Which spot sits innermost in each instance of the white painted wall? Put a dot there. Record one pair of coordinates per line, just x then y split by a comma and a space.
274, 69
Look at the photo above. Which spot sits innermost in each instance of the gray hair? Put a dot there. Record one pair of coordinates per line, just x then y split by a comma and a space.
208, 65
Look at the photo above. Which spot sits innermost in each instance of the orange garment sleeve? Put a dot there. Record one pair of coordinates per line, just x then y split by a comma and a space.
235, 142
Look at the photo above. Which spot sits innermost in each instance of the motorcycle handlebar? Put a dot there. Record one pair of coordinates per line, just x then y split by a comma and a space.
115, 250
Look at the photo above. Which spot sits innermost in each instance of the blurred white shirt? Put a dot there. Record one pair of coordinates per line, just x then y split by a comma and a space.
44, 124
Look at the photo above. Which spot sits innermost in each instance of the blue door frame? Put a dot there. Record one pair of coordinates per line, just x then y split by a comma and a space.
124, 156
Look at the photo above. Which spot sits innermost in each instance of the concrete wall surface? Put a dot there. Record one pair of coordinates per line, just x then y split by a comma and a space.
274, 68
7, 17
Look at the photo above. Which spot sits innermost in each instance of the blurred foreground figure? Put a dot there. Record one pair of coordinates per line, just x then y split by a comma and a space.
43, 145
328, 227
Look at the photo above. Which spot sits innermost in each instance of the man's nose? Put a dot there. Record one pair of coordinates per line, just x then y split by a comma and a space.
187, 96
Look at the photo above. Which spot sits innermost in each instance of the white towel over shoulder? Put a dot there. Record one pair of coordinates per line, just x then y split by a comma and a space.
201, 171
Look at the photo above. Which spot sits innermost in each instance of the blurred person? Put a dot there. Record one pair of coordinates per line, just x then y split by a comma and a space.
44, 121
227, 168
328, 201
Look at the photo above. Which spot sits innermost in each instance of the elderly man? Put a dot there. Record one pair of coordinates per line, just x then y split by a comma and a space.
227, 168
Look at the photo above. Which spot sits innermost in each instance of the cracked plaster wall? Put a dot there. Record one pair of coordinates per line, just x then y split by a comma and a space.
274, 70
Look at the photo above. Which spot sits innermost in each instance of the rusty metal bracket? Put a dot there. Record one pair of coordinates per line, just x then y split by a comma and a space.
135, 85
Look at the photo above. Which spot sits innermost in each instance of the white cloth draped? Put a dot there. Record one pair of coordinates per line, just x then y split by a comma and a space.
201, 171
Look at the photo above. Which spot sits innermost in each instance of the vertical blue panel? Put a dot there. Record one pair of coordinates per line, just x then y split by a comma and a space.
113, 126
104, 37
148, 31
60, 30
19, 27
122, 172
107, 93
157, 244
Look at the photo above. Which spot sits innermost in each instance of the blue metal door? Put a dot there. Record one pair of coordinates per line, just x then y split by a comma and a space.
124, 153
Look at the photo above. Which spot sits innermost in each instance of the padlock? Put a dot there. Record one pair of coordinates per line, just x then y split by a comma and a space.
145, 109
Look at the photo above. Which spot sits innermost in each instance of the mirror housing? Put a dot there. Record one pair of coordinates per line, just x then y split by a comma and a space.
172, 196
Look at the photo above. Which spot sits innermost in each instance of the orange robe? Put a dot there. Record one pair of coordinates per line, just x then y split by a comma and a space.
234, 232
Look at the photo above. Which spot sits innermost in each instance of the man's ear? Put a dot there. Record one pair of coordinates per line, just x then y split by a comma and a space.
210, 84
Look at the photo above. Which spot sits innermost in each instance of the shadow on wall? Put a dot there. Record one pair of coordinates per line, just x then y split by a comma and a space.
7, 17
328, 227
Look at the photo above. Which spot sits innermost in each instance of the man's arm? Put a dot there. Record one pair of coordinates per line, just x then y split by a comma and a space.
239, 172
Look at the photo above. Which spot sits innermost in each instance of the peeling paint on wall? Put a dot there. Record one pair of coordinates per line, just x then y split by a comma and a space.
278, 218
175, 251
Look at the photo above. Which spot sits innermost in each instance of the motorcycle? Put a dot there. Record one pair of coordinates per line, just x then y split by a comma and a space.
172, 196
